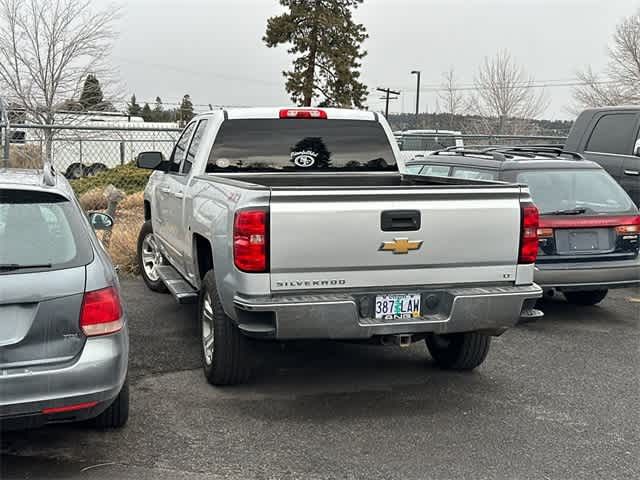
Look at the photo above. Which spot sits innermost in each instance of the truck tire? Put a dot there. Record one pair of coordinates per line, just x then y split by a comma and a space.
458, 351
117, 414
149, 258
95, 168
588, 297
226, 352
74, 171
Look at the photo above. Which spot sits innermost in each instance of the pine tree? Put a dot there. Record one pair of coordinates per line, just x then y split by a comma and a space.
186, 109
327, 43
91, 97
146, 113
158, 111
133, 108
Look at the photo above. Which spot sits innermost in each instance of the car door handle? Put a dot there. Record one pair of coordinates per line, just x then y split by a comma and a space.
165, 189
178, 194
632, 172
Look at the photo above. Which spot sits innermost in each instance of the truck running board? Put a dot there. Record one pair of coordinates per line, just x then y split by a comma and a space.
178, 286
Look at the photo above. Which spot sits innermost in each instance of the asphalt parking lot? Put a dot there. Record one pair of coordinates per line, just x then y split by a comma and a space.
556, 399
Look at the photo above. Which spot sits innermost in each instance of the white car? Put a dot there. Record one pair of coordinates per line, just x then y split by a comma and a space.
419, 143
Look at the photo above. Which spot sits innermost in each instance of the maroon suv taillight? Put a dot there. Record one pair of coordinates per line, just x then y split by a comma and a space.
101, 312
250, 240
530, 219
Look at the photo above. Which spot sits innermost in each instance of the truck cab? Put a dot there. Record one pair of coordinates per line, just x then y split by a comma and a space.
610, 136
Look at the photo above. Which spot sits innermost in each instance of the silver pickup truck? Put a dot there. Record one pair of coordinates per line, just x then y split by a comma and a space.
297, 224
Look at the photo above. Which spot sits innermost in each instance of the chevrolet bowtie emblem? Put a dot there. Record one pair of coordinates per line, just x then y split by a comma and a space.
401, 245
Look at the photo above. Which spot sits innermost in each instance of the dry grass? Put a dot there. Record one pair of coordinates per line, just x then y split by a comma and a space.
25, 156
132, 202
122, 248
94, 199
123, 240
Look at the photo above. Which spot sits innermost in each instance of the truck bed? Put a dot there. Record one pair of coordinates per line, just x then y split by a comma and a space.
335, 226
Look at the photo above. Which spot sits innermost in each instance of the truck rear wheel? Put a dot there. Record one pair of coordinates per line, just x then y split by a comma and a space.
226, 352
458, 351
150, 258
589, 297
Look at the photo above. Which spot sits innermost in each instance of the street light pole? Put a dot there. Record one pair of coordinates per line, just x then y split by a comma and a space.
417, 74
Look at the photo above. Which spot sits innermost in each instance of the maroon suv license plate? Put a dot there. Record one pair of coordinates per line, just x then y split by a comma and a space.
582, 241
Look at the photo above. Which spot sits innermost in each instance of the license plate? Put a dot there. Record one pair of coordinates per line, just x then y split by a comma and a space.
394, 307
583, 241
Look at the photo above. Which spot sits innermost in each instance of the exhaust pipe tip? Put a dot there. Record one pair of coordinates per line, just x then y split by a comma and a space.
401, 340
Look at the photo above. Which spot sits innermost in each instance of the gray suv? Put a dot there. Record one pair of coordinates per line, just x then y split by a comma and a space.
63, 333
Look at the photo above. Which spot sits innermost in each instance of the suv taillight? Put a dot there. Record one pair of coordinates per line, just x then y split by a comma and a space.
101, 312
528, 233
250, 240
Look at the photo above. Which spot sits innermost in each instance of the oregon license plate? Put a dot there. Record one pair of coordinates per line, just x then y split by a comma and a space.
393, 307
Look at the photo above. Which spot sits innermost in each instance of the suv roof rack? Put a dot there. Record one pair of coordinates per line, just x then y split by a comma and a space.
548, 151
48, 174
479, 150
502, 152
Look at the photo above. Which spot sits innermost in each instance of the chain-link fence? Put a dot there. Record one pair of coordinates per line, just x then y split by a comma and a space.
98, 160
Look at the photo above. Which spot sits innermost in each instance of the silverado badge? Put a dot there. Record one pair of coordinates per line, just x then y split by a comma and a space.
401, 245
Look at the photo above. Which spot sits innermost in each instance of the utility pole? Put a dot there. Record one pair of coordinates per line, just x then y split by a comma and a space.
387, 92
4, 128
417, 73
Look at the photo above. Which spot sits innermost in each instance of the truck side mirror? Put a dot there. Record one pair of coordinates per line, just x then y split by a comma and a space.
150, 160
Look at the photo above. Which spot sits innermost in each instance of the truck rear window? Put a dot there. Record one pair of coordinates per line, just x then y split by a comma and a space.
263, 145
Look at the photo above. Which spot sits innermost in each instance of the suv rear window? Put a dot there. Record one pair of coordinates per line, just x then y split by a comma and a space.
593, 190
38, 228
300, 144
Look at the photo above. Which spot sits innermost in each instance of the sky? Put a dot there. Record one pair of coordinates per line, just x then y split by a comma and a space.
213, 49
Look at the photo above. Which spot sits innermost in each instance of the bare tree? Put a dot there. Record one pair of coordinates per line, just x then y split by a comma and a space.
506, 93
622, 82
47, 48
451, 96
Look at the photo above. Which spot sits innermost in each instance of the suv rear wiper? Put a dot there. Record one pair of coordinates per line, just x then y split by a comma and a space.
569, 211
7, 267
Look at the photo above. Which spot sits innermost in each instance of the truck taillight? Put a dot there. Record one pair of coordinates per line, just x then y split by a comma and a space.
101, 312
528, 233
303, 113
250, 240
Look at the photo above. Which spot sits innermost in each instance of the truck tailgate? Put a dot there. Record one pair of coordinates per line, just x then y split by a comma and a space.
368, 237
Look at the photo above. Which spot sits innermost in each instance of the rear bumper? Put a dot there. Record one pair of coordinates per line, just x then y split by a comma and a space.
588, 276
347, 316
97, 375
